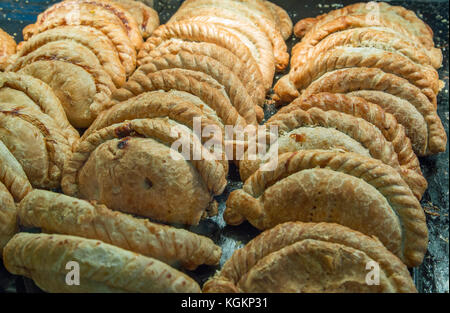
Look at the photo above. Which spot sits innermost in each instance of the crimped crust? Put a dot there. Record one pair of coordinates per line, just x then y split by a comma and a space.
295, 191
234, 88
270, 242
41, 94
57, 213
196, 31
7, 48
36, 142
125, 144
285, 22
8, 217
196, 83
12, 175
89, 37
97, 8
146, 17
357, 79
253, 84
103, 267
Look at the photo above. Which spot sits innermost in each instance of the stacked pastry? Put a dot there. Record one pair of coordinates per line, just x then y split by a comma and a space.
84, 49
7, 48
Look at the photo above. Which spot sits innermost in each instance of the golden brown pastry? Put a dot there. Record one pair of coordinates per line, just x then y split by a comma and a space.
283, 19
36, 142
7, 48
27, 91
12, 175
146, 17
412, 110
89, 37
233, 87
132, 167
333, 130
199, 32
311, 257
425, 78
253, 84
103, 267
346, 188
57, 213
112, 28
8, 217
208, 90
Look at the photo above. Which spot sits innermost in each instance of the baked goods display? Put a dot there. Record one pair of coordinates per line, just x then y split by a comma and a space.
114, 143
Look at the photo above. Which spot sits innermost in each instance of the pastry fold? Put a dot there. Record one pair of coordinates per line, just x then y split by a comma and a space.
311, 257
102, 267
7, 48
346, 188
146, 17
61, 214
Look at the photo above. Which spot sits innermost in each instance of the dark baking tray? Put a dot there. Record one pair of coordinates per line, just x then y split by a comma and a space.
431, 276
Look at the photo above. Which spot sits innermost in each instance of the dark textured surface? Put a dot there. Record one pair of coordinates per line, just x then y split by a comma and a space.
432, 275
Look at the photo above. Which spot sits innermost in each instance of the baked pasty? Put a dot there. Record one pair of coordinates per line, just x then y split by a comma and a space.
89, 37
412, 109
345, 188
425, 78
103, 267
57, 213
112, 28
253, 84
310, 257
133, 167
36, 142
7, 48
195, 31
283, 19
233, 87
320, 123
27, 91
202, 86
146, 17
89, 89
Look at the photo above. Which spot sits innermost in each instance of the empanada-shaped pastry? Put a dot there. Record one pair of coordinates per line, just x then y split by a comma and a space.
36, 142
196, 31
132, 167
12, 175
112, 29
145, 16
413, 110
233, 87
57, 213
73, 10
103, 267
89, 37
255, 40
346, 188
320, 32
425, 78
311, 257
253, 84
27, 91
7, 48
208, 90
334, 130
84, 90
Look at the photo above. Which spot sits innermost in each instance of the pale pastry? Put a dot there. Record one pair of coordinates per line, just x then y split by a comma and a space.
8, 217
311, 257
413, 105
233, 87
36, 142
199, 84
61, 214
346, 188
146, 17
137, 167
7, 48
333, 130
102, 267
27, 91
253, 84
89, 37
